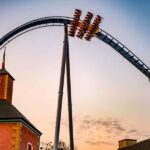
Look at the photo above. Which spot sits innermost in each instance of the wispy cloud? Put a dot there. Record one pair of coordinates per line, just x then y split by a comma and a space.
102, 131
98, 142
108, 124
132, 131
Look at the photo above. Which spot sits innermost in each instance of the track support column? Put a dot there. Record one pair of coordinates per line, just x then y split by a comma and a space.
65, 61
60, 96
69, 93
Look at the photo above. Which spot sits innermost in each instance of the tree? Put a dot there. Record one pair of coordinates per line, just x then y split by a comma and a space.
46, 146
49, 146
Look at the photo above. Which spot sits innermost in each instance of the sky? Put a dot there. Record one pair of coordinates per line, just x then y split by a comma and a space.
110, 96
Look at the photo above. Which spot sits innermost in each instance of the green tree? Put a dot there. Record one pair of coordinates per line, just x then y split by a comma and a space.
49, 146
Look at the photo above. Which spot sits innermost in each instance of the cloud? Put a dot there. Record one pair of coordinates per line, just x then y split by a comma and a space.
102, 131
132, 131
108, 124
93, 142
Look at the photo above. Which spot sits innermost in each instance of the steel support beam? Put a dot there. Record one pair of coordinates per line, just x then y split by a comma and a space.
65, 61
60, 95
69, 93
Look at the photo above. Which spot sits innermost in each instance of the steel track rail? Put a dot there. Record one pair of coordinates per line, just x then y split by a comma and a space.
38, 23
60, 21
124, 51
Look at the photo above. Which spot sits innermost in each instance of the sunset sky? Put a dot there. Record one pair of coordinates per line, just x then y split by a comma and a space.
111, 98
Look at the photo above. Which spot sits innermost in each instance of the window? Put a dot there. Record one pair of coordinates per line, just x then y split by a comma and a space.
29, 146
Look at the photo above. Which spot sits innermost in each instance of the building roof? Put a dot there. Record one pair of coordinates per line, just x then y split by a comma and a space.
143, 145
4, 71
8, 113
128, 140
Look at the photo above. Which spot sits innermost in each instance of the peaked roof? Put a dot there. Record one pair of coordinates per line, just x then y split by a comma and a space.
4, 71
8, 113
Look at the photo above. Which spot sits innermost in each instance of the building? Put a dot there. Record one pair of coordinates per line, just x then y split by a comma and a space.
129, 144
16, 131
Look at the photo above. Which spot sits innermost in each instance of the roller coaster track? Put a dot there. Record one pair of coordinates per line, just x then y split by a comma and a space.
60, 21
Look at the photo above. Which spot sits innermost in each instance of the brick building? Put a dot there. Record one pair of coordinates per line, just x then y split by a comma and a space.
16, 131
129, 144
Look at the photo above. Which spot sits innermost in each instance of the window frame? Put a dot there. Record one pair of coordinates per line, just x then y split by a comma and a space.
29, 144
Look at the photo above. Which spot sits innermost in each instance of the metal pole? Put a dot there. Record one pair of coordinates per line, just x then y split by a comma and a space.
69, 93
60, 94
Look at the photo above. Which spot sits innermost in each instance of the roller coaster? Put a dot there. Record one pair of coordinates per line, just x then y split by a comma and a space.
85, 29
60, 21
